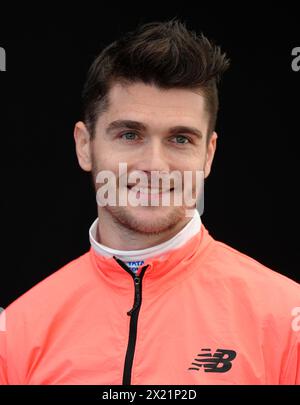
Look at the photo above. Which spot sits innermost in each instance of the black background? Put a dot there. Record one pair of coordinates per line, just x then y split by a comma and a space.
47, 202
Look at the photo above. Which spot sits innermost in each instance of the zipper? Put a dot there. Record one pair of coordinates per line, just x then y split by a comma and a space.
134, 315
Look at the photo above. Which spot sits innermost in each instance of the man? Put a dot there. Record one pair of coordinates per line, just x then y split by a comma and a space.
156, 300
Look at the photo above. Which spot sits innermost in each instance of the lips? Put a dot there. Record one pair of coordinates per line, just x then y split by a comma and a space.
147, 190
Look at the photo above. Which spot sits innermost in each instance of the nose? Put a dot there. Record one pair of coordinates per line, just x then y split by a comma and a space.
153, 158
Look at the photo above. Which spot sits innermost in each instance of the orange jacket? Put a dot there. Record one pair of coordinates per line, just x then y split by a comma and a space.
203, 313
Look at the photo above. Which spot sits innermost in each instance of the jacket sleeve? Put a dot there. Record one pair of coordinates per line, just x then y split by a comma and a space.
3, 365
297, 367
291, 371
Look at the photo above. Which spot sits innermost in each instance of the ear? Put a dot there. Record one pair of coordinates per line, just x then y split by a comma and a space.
210, 152
83, 146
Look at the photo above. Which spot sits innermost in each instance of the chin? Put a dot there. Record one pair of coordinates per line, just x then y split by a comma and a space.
148, 220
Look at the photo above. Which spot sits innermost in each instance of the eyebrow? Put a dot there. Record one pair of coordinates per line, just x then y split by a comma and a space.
129, 124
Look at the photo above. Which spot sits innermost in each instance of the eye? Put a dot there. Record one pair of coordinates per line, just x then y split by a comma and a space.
181, 139
129, 136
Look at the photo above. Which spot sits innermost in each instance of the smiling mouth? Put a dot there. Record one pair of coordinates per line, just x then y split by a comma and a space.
149, 191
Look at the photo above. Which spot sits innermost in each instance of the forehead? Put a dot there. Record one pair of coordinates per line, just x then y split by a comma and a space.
145, 102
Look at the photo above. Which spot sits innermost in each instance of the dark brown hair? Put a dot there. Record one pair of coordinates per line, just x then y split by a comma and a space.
164, 54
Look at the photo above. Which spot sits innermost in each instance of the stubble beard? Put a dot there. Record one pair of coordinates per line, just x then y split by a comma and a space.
129, 217
152, 223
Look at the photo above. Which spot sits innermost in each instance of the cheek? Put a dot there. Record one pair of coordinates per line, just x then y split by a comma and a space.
191, 164
102, 157
108, 168
193, 171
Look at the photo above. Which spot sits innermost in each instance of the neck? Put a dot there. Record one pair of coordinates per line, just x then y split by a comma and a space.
116, 236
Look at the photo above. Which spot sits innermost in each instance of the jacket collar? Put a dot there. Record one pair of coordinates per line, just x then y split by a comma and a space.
188, 231
163, 270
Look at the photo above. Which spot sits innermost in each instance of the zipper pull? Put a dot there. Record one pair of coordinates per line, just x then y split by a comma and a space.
137, 295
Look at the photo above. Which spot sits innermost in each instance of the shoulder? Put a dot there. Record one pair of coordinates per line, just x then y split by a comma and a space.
54, 290
250, 268
249, 275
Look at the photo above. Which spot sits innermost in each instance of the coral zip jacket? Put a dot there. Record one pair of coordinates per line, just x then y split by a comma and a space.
203, 313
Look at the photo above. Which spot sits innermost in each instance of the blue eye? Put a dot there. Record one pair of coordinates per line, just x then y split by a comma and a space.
181, 139
129, 136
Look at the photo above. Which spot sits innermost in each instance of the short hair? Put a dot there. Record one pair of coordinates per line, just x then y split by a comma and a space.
164, 54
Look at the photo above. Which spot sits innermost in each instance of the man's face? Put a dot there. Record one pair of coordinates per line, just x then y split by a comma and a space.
148, 144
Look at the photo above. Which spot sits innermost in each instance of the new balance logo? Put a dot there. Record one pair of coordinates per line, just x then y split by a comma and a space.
219, 362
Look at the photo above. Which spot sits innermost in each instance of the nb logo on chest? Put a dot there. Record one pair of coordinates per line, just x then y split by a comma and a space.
219, 362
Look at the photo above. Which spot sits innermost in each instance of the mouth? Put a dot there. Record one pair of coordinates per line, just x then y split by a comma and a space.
149, 191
